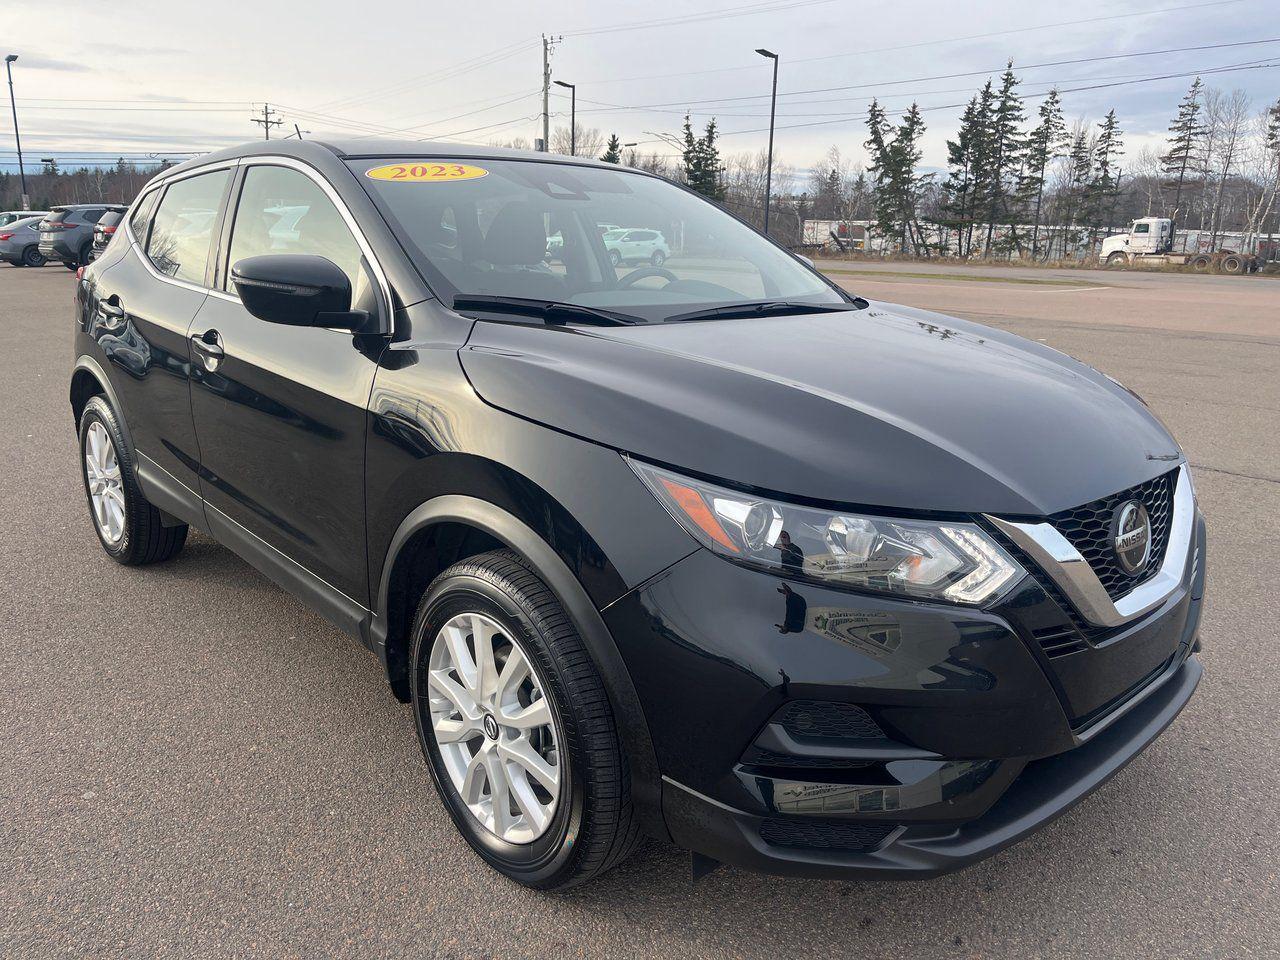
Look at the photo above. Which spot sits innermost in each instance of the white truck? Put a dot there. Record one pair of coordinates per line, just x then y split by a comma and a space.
1150, 240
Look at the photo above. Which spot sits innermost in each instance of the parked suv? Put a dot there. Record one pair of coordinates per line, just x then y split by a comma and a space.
711, 550
631, 246
20, 243
11, 216
66, 234
104, 230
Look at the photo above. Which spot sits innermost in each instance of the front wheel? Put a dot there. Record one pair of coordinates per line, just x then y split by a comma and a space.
1117, 260
131, 530
615, 257
516, 726
658, 258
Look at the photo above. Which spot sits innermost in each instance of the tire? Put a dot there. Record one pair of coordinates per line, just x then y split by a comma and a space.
1117, 260
615, 258
1233, 263
31, 257
658, 258
86, 256
592, 826
1201, 262
141, 537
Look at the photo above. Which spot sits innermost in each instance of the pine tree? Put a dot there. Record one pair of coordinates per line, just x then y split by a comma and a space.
703, 171
1007, 147
613, 150
1105, 185
1185, 144
894, 156
958, 190
1044, 145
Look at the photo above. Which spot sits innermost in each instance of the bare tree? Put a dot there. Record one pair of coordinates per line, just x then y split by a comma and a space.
589, 141
1228, 118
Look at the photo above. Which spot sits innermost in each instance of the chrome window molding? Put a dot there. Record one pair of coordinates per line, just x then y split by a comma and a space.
160, 187
1062, 562
271, 161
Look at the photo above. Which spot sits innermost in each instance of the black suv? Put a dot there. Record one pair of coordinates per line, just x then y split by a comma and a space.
66, 234
708, 549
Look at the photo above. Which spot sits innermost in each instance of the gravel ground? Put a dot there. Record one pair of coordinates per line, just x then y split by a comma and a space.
194, 764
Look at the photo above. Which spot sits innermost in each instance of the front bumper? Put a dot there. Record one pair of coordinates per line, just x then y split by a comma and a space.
963, 731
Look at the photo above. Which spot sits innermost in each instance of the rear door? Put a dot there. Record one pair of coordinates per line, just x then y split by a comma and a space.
279, 410
144, 305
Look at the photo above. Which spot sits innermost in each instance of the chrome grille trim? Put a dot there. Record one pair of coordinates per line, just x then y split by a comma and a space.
1065, 565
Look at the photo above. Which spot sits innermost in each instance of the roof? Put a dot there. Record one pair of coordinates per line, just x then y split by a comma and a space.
376, 147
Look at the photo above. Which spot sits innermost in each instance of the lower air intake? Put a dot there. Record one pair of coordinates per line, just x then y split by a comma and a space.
818, 835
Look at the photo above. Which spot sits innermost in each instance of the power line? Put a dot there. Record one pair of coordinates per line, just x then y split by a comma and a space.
772, 6
866, 52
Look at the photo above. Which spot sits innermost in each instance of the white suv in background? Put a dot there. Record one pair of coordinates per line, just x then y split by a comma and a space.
630, 245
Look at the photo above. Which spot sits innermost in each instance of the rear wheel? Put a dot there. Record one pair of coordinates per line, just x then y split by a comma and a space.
516, 726
130, 529
1233, 263
31, 257
85, 257
1201, 262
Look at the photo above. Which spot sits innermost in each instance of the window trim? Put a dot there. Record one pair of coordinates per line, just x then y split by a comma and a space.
229, 215
163, 188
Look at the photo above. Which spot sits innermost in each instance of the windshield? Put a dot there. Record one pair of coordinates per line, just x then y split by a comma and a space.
593, 237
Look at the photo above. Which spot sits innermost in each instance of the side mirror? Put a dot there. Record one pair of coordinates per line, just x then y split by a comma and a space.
298, 290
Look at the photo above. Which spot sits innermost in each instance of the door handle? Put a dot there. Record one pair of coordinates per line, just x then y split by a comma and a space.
208, 349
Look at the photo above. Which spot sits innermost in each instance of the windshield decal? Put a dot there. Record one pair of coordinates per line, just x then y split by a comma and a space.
426, 172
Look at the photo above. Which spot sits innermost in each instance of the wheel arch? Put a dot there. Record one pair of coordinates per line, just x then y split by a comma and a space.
451, 527
89, 380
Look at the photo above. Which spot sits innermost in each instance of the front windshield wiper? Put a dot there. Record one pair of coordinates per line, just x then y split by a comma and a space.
760, 308
552, 311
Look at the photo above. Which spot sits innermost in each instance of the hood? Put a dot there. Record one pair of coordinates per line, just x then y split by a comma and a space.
883, 407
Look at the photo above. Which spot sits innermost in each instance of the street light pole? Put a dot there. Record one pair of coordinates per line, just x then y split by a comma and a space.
573, 115
8, 67
773, 104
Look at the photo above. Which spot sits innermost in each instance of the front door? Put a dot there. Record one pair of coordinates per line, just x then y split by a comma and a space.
280, 410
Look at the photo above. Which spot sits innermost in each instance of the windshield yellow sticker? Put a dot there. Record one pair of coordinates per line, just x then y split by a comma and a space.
427, 172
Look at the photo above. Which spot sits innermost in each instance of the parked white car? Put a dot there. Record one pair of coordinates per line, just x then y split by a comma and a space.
628, 246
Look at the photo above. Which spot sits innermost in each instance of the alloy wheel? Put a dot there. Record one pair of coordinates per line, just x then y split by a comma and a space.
494, 727
102, 474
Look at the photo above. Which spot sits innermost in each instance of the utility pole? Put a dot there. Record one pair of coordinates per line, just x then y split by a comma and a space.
773, 104
266, 120
573, 116
22, 173
547, 44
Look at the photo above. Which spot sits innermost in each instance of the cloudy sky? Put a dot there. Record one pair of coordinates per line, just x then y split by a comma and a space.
145, 77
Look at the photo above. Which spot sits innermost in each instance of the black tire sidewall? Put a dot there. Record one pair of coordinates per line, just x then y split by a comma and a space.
658, 258
31, 257
615, 258
539, 862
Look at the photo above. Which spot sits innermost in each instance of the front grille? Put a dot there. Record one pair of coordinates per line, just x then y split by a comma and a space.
1088, 527
824, 836
820, 718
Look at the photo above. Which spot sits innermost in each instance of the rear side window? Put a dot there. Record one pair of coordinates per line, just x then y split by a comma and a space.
91, 216
183, 226
141, 218
58, 216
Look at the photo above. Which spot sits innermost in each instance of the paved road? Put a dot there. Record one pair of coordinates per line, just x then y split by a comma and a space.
193, 764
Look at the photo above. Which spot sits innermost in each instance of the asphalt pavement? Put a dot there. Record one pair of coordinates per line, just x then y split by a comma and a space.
193, 764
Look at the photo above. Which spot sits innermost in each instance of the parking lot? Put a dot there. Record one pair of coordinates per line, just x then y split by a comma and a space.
192, 763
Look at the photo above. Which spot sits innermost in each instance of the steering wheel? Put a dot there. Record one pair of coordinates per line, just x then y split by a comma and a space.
644, 272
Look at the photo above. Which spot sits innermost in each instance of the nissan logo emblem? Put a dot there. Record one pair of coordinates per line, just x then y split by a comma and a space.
1131, 537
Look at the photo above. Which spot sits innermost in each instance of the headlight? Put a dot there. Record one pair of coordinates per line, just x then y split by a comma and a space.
956, 562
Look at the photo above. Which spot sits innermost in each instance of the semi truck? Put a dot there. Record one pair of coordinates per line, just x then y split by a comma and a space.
1150, 240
